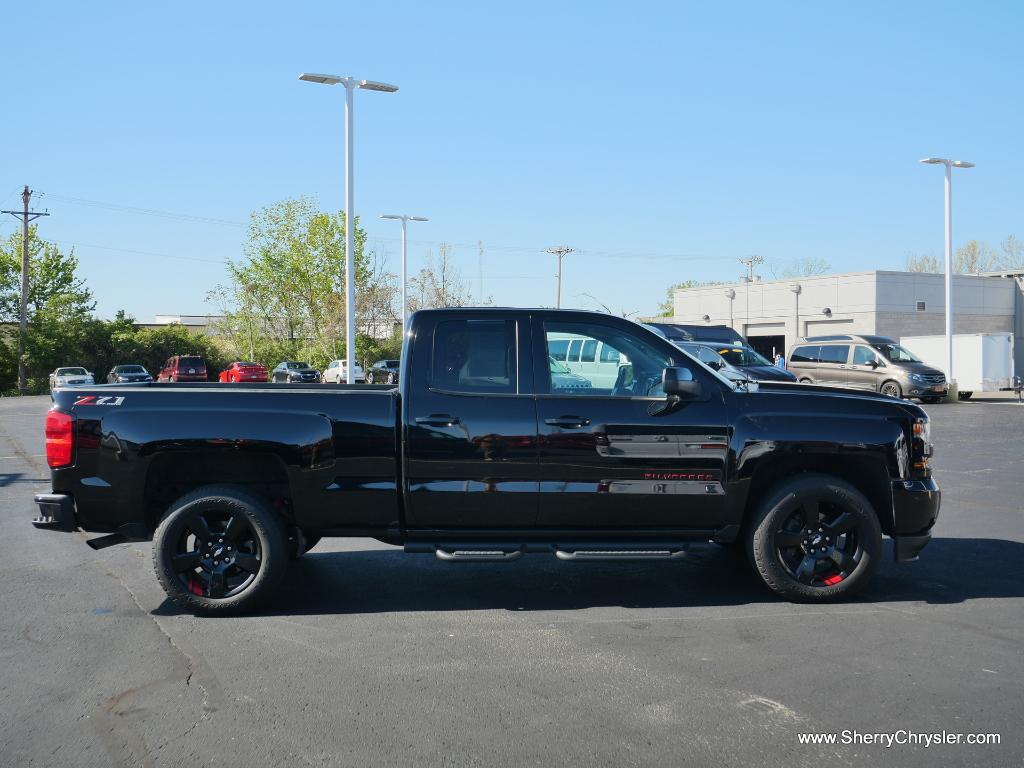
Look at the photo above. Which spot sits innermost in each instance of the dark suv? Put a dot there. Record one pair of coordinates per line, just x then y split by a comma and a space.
383, 372
183, 368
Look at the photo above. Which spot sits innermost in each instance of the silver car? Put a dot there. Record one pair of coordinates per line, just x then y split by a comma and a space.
71, 377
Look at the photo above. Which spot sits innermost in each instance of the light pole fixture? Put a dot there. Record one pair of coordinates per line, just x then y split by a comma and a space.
405, 227
706, 318
950, 165
730, 294
797, 289
350, 84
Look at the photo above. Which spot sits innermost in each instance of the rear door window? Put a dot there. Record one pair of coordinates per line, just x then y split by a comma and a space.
474, 356
834, 353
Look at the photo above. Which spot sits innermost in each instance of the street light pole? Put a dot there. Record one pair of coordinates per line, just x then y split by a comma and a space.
350, 84
405, 234
949, 166
730, 294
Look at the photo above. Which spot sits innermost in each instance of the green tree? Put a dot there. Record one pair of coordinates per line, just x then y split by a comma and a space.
286, 298
59, 307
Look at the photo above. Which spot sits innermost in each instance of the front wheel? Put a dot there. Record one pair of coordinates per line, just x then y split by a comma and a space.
892, 389
815, 539
220, 550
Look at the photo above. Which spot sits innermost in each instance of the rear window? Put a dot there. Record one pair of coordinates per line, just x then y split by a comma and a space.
557, 349
71, 371
191, 362
474, 356
129, 369
589, 351
805, 355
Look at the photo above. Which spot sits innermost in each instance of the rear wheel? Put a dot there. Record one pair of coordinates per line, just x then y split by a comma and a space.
815, 539
891, 388
220, 550
805, 380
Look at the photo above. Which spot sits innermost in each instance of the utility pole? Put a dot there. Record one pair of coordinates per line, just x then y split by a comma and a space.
561, 251
480, 295
26, 216
750, 262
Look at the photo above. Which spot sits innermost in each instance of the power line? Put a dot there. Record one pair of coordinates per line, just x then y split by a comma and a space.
143, 211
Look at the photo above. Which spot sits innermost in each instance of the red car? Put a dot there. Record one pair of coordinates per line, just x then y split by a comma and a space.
240, 371
183, 368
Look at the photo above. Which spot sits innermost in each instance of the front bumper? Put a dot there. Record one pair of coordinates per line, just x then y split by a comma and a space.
913, 389
56, 512
915, 505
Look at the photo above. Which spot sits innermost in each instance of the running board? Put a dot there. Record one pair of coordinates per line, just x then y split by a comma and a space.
507, 551
620, 554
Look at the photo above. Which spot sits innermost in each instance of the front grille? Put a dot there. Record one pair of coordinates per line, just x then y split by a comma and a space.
933, 378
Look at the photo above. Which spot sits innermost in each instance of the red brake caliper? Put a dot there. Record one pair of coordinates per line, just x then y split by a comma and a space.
831, 581
194, 586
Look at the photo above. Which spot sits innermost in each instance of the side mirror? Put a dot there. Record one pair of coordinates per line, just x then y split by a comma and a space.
717, 364
873, 364
680, 382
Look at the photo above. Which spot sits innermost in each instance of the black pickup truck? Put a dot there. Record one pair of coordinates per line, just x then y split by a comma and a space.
490, 449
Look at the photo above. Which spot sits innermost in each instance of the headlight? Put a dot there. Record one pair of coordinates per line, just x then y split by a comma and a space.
922, 444
916, 377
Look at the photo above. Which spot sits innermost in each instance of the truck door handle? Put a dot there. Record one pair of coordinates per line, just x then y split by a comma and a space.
437, 420
568, 422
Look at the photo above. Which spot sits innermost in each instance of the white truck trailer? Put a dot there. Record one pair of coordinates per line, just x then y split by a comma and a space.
982, 362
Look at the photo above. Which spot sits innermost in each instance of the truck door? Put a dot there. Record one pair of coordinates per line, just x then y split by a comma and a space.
470, 422
610, 455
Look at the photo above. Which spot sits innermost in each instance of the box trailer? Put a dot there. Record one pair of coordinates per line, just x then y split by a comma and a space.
982, 362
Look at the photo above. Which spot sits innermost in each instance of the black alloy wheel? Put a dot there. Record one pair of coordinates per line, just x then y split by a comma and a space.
219, 550
816, 539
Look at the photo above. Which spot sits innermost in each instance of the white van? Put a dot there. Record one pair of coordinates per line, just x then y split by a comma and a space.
592, 359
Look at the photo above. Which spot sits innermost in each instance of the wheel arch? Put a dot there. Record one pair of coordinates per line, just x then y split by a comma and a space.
868, 475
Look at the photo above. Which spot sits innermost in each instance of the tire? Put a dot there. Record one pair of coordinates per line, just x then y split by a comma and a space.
198, 524
805, 380
891, 388
930, 400
964, 395
798, 571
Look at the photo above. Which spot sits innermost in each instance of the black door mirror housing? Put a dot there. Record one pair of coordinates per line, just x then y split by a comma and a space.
680, 382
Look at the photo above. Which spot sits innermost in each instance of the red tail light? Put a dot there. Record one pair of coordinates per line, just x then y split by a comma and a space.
60, 438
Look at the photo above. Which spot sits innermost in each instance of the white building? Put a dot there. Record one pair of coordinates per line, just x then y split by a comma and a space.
774, 313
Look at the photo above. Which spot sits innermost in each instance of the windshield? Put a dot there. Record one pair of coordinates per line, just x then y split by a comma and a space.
557, 367
742, 356
72, 372
129, 369
897, 354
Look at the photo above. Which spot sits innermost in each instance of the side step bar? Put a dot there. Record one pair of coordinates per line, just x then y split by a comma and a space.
466, 552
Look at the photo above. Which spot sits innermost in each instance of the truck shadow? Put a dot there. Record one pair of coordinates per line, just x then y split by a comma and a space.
951, 570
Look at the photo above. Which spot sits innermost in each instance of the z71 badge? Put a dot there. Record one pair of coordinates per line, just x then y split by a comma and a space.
97, 400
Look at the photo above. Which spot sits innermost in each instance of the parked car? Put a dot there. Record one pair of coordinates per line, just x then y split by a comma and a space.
294, 372
747, 361
480, 455
183, 368
337, 373
70, 377
127, 374
240, 371
679, 332
874, 363
382, 372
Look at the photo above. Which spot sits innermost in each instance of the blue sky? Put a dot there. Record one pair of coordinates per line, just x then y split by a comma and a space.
664, 141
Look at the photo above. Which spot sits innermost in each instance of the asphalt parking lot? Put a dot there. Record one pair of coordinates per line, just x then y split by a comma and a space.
374, 657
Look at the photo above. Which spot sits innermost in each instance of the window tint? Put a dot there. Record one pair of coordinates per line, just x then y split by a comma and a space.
863, 356
834, 353
709, 356
805, 355
557, 348
574, 350
474, 356
191, 362
589, 351
636, 372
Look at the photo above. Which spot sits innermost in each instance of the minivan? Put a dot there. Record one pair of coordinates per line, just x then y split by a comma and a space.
183, 368
874, 363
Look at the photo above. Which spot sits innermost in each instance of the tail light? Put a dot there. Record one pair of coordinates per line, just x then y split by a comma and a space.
60, 439
921, 452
